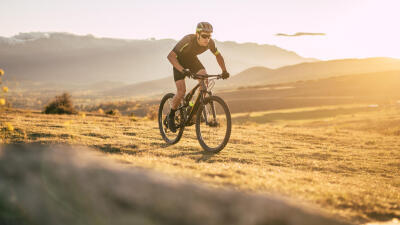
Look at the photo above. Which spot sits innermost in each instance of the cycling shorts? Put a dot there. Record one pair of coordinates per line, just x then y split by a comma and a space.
188, 62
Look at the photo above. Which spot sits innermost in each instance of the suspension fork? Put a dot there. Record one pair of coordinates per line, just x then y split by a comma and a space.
214, 115
203, 98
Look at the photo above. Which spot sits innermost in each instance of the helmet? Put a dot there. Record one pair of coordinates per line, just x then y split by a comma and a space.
205, 27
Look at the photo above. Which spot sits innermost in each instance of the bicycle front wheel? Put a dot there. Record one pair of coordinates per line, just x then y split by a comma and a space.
213, 124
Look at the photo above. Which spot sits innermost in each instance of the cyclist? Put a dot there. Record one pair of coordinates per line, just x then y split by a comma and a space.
183, 58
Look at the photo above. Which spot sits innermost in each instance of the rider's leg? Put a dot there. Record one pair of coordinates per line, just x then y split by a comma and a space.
180, 93
203, 72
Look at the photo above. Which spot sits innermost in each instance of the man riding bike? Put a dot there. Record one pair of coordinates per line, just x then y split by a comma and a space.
183, 58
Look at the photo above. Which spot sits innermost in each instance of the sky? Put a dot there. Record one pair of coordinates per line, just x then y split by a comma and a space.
352, 28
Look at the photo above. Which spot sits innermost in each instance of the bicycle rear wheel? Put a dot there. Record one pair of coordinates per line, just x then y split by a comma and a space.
165, 107
213, 124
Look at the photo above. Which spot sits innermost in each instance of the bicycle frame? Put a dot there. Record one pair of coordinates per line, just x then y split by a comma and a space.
199, 100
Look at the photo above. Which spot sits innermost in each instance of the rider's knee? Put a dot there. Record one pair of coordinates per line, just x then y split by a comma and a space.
202, 72
181, 92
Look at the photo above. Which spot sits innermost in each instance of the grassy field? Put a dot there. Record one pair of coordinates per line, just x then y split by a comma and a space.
346, 160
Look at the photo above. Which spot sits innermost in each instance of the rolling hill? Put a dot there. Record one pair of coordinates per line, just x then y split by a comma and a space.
311, 71
367, 88
379, 88
263, 75
345, 163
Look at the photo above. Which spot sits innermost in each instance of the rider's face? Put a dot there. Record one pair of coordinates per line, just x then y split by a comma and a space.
203, 38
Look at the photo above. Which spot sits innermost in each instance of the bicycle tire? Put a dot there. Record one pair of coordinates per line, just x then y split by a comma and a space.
227, 113
161, 126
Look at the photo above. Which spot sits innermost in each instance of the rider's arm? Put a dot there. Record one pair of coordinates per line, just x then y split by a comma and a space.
172, 57
218, 55
221, 62
179, 47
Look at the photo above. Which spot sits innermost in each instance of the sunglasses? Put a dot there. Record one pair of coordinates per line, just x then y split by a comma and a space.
205, 36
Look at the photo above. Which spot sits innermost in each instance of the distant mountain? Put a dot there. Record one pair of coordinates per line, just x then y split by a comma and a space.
262, 75
64, 57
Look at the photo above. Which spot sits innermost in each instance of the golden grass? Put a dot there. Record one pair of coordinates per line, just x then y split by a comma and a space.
346, 163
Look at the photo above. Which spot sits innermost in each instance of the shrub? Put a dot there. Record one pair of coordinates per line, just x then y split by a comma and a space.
3, 90
60, 105
113, 112
152, 112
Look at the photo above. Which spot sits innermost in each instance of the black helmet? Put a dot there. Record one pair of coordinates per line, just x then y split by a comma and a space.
205, 27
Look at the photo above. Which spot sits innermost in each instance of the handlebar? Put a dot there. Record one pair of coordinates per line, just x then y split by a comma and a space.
203, 77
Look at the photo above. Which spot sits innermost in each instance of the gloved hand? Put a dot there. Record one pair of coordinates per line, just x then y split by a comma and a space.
225, 75
186, 72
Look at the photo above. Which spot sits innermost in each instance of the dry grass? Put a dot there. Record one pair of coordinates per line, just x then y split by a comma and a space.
346, 163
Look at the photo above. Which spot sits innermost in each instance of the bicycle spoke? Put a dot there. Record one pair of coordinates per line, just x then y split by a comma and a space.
165, 108
214, 130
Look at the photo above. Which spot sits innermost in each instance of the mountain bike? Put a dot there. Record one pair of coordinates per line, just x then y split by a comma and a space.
209, 112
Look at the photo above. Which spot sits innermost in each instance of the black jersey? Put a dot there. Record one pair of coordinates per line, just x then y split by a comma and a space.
188, 46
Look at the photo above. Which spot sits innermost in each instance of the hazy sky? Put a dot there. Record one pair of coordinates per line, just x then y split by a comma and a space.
354, 28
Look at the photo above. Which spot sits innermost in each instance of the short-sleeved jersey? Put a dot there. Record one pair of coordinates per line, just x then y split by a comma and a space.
188, 46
